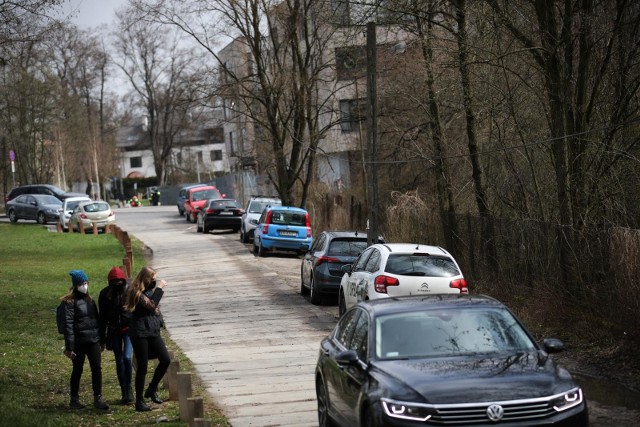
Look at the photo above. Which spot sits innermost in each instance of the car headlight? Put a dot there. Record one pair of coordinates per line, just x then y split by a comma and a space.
406, 410
567, 400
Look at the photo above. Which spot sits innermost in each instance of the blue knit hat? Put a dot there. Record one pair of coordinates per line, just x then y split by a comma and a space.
78, 277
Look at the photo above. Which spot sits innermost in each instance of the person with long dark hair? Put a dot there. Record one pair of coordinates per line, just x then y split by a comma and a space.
114, 324
143, 298
82, 339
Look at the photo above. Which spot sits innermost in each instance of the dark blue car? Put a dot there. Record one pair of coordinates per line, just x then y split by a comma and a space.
320, 272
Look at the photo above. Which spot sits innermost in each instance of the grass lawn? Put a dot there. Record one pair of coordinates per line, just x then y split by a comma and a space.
34, 374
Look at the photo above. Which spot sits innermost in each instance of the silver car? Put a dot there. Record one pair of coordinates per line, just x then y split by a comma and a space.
256, 205
92, 212
68, 205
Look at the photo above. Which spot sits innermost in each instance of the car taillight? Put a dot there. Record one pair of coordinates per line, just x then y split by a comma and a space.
323, 259
460, 284
83, 216
381, 282
210, 211
308, 224
267, 221
111, 213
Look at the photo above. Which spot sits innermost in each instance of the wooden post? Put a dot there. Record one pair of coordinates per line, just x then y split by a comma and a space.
171, 379
58, 227
81, 227
201, 422
196, 409
94, 226
184, 392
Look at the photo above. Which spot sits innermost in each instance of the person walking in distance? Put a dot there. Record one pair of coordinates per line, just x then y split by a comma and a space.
143, 298
114, 324
82, 338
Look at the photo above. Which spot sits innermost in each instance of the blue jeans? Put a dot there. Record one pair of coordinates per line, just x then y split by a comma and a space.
122, 350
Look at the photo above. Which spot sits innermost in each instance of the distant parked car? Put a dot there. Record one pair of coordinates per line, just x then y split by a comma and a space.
219, 214
37, 207
196, 198
442, 360
68, 205
282, 227
396, 269
182, 196
91, 212
320, 272
46, 189
252, 213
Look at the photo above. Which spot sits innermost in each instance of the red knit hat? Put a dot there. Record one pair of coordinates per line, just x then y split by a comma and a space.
116, 274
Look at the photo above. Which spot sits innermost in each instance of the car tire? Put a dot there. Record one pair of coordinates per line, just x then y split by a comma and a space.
303, 289
198, 228
42, 218
187, 216
180, 213
255, 248
12, 216
314, 296
342, 304
244, 238
262, 252
205, 229
369, 417
324, 420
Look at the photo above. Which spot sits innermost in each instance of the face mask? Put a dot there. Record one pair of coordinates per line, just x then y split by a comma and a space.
83, 289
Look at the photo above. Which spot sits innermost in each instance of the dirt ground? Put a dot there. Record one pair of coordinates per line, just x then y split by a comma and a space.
616, 383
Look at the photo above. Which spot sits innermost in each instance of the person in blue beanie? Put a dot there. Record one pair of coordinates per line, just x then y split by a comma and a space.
82, 339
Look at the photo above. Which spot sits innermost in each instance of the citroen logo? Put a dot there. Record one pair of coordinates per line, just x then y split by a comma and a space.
425, 285
495, 412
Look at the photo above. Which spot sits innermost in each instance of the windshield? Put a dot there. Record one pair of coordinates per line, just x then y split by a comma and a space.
258, 207
449, 333
347, 247
96, 207
49, 200
205, 194
421, 264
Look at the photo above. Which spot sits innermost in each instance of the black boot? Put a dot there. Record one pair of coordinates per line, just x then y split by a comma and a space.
152, 394
99, 403
141, 406
74, 403
127, 395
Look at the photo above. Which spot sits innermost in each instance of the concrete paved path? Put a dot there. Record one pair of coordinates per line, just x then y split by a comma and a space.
240, 319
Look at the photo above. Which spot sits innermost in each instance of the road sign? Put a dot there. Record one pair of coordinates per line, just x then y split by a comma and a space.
12, 155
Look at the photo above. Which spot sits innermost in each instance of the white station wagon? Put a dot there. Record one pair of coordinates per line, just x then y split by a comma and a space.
396, 269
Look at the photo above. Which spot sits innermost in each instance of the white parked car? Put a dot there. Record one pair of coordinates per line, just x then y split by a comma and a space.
91, 212
68, 205
395, 269
252, 213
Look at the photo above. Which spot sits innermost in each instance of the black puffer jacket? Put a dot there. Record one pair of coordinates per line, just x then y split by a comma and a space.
81, 322
146, 320
114, 319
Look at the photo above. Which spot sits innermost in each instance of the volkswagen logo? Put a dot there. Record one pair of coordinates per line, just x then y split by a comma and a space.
495, 412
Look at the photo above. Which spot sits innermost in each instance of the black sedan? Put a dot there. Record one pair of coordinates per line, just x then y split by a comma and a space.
441, 360
320, 272
225, 214
37, 207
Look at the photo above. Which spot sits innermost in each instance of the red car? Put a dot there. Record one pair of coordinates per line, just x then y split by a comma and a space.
196, 199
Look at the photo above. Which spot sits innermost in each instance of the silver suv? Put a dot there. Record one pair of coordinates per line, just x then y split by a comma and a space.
252, 213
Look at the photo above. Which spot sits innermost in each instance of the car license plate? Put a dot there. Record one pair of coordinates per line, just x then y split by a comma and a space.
288, 233
226, 213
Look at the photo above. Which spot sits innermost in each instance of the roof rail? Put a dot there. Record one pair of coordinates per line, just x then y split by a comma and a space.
266, 197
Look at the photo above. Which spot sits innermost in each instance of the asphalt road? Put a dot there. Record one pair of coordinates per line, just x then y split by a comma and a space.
240, 319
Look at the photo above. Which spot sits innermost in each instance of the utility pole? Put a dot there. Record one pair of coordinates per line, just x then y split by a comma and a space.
372, 136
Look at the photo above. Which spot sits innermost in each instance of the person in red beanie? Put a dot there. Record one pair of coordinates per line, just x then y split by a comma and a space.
114, 324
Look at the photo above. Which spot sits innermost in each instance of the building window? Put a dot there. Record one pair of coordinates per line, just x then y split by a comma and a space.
200, 158
351, 62
215, 155
179, 159
135, 162
352, 112
340, 12
232, 137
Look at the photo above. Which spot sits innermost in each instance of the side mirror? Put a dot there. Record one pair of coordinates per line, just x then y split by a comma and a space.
553, 345
347, 358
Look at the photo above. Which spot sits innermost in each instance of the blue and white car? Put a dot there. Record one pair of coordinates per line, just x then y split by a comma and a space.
284, 228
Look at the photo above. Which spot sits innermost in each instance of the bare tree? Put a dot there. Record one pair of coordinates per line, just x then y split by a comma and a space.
164, 77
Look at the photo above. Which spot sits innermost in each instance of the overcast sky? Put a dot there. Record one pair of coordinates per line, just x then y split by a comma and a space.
93, 13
